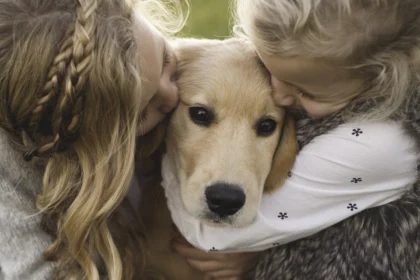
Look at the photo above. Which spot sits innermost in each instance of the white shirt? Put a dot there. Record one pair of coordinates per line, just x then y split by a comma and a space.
341, 173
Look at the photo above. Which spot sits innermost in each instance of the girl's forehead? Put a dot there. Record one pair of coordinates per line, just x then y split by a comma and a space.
307, 72
145, 31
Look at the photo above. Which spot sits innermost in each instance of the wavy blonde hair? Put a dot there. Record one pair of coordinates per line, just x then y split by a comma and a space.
378, 40
71, 98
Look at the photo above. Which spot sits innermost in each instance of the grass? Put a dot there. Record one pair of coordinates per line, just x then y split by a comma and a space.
208, 19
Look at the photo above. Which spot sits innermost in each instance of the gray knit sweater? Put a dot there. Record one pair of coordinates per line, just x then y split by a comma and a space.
22, 240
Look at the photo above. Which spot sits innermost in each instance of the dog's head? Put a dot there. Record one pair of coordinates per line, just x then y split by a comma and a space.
227, 140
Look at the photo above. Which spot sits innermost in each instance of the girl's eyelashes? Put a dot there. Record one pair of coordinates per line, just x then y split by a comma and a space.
303, 94
143, 116
166, 58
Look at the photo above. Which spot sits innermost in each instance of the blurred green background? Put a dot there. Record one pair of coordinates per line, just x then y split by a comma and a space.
208, 19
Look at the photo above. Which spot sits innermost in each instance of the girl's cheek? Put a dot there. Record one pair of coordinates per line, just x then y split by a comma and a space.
319, 110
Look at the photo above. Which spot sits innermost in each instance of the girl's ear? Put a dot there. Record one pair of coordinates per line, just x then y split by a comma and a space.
284, 157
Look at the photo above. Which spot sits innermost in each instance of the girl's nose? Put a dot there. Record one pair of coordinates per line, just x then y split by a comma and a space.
169, 97
282, 95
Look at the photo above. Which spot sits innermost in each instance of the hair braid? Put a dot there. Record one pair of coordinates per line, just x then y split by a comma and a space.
75, 53
70, 108
55, 76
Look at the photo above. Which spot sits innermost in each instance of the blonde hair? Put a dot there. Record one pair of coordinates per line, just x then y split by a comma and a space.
70, 90
377, 40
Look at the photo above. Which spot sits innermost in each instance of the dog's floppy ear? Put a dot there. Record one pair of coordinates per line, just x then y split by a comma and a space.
284, 157
186, 49
190, 49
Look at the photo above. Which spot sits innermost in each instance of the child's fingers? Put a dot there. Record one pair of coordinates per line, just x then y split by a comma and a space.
208, 267
216, 270
213, 269
224, 274
190, 252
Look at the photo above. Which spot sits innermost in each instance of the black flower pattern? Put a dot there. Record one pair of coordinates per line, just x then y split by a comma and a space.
357, 132
352, 206
356, 180
282, 215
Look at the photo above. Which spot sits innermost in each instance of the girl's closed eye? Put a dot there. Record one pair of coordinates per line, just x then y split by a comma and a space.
304, 94
143, 116
166, 58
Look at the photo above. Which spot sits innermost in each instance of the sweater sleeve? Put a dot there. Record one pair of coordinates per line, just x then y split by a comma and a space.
352, 168
22, 240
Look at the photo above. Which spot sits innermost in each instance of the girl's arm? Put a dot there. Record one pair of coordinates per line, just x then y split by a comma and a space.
339, 174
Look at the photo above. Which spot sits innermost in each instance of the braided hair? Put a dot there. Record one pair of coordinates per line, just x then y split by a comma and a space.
65, 83
70, 91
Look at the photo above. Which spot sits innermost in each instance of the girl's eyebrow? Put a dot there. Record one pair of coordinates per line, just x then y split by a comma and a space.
302, 89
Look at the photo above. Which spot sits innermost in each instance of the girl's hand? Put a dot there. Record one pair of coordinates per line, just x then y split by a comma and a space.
232, 266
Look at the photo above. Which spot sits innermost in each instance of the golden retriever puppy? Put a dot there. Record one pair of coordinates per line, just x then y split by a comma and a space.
227, 143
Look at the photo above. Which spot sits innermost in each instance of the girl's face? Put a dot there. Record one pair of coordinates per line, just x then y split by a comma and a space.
158, 88
318, 87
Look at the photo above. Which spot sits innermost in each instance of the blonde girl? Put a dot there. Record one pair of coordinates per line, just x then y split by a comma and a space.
80, 80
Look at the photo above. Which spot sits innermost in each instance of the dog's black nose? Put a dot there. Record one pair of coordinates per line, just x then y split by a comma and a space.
225, 199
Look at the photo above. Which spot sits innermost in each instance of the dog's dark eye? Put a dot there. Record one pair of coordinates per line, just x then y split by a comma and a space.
201, 116
266, 127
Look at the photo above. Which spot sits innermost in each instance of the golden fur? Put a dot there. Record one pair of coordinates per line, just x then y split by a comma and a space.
226, 78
